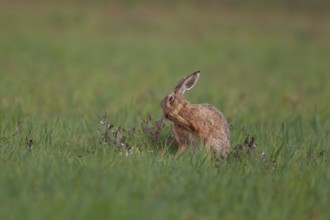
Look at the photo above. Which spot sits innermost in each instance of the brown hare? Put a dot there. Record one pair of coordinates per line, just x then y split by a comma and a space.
196, 123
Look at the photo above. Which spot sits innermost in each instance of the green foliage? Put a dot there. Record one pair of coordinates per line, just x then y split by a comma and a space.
63, 64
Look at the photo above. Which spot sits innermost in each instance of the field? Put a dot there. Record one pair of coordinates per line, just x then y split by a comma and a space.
67, 66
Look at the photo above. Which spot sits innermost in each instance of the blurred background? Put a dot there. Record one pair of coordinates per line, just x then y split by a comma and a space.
78, 59
65, 63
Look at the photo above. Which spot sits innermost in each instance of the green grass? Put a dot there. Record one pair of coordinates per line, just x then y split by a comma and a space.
63, 64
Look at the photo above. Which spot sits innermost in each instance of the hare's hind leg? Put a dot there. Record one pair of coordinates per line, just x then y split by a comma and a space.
217, 147
181, 137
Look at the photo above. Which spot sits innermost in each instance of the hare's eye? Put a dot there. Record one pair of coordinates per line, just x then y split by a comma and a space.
170, 99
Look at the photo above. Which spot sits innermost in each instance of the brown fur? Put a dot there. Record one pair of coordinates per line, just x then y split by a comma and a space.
196, 123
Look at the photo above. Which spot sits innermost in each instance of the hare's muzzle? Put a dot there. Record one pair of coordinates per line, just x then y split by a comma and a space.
166, 115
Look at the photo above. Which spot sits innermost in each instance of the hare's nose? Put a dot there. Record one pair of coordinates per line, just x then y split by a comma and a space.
166, 115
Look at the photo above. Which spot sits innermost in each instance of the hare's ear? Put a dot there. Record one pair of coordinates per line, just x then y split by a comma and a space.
187, 83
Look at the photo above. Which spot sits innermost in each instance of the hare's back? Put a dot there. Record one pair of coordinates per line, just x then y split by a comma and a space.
211, 110
218, 121
217, 116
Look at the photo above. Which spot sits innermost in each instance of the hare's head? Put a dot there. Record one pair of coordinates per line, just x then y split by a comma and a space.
174, 101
